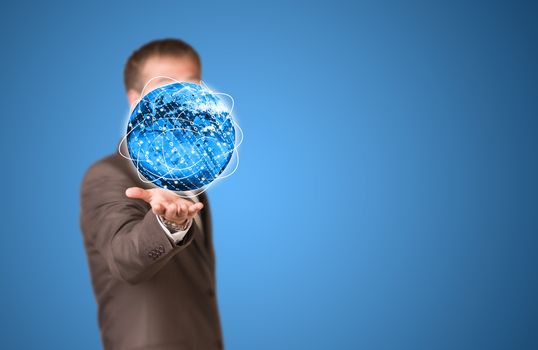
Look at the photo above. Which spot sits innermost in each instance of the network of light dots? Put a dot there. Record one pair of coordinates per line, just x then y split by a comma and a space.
181, 136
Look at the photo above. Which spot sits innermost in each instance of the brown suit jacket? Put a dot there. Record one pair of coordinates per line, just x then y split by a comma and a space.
151, 293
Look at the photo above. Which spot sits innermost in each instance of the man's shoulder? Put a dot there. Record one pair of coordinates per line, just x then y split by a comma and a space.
111, 166
109, 163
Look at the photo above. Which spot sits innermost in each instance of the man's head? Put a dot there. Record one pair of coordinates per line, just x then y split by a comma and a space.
172, 58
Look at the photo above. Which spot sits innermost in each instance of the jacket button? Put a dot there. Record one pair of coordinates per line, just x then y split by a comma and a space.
210, 292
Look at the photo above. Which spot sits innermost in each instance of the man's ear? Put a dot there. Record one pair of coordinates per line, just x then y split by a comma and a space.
132, 97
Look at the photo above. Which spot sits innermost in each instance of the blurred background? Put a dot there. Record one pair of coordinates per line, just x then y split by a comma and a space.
386, 195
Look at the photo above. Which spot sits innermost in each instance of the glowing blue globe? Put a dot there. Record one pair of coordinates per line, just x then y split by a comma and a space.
181, 136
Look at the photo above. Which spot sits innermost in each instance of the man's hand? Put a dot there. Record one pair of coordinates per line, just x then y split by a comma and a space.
166, 203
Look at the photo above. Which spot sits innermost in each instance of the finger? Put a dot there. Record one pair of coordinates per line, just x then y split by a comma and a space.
171, 211
195, 208
158, 209
139, 193
179, 211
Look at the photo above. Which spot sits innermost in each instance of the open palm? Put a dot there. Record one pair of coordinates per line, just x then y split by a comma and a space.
166, 203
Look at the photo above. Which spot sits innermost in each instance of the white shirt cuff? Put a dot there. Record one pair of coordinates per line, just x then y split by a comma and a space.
175, 236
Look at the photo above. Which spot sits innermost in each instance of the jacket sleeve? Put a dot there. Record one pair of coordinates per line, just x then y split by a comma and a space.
125, 231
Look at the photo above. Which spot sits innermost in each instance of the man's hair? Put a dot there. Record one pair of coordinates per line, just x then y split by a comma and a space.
162, 47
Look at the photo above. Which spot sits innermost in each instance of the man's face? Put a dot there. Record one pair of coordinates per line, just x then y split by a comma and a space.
178, 68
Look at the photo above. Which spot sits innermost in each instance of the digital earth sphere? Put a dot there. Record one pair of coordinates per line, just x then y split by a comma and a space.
181, 136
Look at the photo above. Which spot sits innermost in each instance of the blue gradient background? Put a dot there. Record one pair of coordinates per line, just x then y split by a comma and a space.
386, 197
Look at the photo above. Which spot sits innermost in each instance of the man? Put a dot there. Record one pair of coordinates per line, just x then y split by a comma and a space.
150, 252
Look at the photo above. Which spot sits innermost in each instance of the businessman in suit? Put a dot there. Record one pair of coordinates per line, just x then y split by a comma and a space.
150, 252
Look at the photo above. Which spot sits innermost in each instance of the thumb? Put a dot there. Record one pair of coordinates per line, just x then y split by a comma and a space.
139, 193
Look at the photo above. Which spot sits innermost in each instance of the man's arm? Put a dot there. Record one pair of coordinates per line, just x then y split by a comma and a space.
126, 231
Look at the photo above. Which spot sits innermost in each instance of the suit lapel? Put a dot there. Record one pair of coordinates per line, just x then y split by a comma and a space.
201, 234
